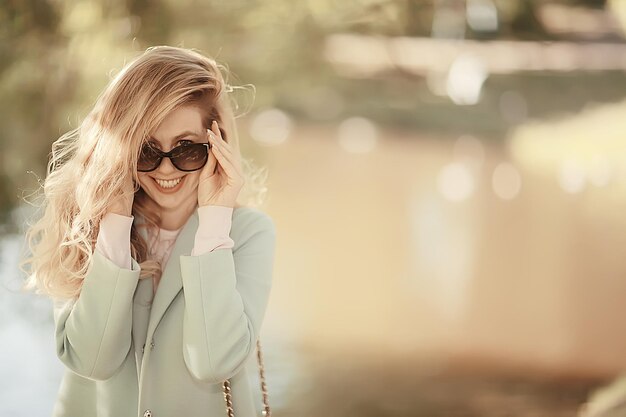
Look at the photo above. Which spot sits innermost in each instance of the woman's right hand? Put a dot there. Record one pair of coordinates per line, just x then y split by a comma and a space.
123, 204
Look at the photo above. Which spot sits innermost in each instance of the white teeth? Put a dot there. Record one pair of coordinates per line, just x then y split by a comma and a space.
168, 184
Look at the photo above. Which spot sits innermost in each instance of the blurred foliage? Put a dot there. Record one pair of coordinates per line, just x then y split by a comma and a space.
56, 56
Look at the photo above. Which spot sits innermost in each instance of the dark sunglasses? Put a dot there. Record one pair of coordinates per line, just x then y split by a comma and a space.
186, 157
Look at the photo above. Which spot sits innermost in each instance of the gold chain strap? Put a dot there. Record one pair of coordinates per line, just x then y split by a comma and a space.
227, 391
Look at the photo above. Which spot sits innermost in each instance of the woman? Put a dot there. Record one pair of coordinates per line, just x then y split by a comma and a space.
160, 278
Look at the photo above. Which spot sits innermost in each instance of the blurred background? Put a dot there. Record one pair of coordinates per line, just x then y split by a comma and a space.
447, 178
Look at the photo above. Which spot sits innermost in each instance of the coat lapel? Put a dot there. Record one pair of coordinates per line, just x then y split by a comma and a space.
171, 282
141, 315
142, 302
148, 309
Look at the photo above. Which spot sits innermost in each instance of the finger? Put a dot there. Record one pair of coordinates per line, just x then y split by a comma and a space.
209, 167
228, 166
219, 142
216, 139
228, 154
216, 129
214, 163
233, 162
218, 134
233, 157
219, 166
224, 152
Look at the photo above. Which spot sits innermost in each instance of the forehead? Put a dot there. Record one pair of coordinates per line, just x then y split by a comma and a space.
181, 122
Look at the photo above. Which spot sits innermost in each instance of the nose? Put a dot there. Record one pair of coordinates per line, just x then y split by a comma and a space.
166, 167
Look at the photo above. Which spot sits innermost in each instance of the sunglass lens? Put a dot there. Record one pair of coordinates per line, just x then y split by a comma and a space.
190, 157
148, 159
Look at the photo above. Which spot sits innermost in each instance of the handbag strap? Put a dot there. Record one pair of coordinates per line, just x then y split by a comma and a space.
227, 389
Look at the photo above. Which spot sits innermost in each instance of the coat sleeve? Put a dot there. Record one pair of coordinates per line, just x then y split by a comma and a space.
93, 332
226, 295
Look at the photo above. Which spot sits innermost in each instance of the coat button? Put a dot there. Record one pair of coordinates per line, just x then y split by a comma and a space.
147, 413
152, 344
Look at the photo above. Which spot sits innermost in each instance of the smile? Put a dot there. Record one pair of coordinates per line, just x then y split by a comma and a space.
169, 185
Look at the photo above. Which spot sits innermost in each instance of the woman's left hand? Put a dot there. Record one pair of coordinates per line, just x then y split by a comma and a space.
220, 183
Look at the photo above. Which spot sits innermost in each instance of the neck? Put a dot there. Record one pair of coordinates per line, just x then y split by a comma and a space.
175, 218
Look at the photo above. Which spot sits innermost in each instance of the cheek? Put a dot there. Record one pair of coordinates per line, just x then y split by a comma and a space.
143, 180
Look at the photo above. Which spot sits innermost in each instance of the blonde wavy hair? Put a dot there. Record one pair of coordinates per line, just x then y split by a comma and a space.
89, 165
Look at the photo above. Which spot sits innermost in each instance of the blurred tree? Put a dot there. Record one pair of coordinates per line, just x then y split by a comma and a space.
56, 56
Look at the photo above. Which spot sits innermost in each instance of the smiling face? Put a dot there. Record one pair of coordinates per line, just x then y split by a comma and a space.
174, 191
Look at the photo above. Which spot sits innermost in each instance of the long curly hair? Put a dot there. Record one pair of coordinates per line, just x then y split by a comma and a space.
89, 165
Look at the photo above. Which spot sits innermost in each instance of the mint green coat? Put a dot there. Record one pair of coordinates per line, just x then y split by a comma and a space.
125, 358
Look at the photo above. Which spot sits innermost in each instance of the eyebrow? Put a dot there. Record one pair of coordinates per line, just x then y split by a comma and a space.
180, 135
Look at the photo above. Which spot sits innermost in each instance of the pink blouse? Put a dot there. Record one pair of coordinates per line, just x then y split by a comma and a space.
214, 224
